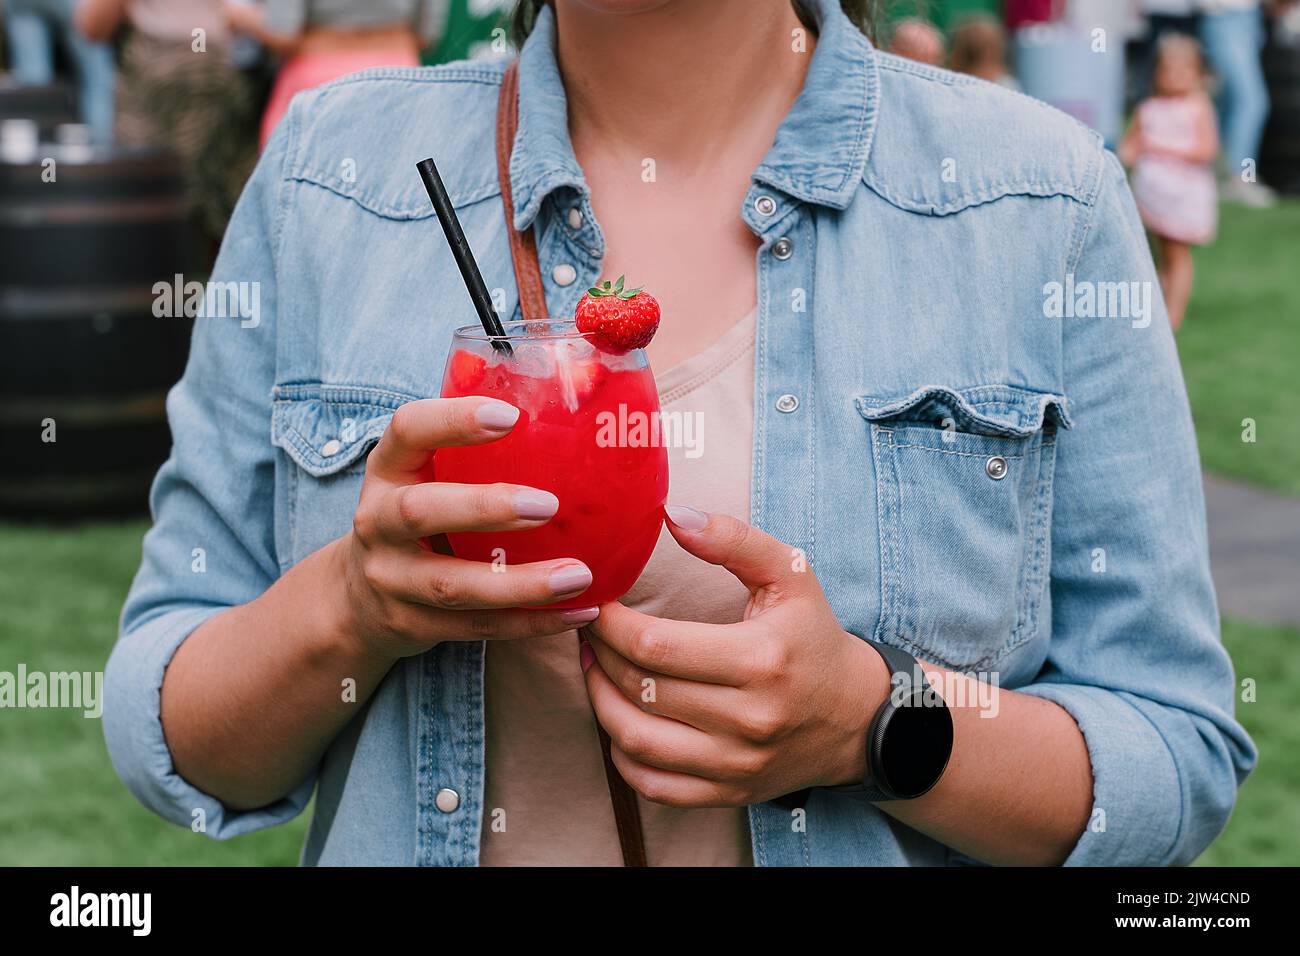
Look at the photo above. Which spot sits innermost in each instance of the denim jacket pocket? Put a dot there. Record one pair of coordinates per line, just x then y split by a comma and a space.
964, 500
326, 432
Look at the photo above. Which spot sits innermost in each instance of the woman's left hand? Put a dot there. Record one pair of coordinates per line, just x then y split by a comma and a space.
707, 715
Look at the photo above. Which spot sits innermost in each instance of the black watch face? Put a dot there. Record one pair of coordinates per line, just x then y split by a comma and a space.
916, 745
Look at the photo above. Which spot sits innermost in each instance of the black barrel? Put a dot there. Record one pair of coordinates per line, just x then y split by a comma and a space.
80, 345
1279, 153
48, 106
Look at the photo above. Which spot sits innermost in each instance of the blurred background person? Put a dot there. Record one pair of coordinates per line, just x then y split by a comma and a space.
322, 40
1160, 17
979, 47
35, 28
1171, 146
1232, 32
918, 40
178, 90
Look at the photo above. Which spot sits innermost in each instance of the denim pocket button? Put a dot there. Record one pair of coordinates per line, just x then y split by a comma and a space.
996, 467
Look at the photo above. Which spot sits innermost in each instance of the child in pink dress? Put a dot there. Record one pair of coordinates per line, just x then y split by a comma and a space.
1171, 147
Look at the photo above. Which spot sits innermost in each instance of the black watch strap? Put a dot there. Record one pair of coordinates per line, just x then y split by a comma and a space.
898, 661
904, 672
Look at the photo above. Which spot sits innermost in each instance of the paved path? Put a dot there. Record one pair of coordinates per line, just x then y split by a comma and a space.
1254, 550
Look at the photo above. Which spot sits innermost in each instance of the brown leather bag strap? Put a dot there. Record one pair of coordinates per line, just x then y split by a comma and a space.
532, 303
523, 249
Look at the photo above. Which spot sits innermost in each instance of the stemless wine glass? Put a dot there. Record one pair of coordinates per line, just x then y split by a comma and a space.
588, 432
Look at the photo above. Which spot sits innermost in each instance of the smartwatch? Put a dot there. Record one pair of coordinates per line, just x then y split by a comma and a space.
908, 742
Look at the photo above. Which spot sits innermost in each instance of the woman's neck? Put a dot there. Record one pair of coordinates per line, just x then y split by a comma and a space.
678, 82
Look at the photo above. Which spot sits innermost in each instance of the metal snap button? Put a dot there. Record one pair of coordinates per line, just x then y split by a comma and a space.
787, 403
996, 467
575, 218
331, 448
783, 248
447, 800
765, 205
564, 274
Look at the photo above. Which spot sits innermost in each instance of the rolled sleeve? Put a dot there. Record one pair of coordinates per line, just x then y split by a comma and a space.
212, 545
1132, 769
134, 732
1135, 656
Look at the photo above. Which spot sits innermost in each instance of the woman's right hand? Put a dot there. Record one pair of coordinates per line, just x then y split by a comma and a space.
400, 598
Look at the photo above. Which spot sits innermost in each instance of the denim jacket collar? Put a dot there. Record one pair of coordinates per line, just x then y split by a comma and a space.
818, 155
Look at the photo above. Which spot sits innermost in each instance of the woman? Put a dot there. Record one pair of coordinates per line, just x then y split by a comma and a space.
179, 91
938, 462
325, 39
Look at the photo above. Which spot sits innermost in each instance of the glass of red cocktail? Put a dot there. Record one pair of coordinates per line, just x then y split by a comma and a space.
588, 432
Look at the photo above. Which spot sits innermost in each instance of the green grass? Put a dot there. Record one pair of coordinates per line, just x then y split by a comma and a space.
1265, 825
1240, 346
61, 803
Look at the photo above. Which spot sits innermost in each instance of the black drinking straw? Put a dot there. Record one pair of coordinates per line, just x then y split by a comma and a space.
464, 257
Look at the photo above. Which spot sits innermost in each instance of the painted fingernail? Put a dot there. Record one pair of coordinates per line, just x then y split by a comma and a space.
587, 656
497, 416
580, 615
570, 579
687, 518
533, 503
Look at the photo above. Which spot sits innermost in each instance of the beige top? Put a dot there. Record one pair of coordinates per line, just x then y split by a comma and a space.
177, 19
546, 800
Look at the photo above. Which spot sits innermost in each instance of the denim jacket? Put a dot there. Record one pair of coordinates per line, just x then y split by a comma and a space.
949, 274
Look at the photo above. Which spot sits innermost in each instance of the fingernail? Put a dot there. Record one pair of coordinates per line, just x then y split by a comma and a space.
496, 415
533, 503
580, 615
570, 579
687, 518
587, 656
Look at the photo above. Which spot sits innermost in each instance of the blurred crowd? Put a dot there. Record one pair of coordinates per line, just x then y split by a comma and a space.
1189, 74
208, 79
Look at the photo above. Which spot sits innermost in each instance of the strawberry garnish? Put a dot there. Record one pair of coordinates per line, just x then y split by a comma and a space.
619, 319
467, 370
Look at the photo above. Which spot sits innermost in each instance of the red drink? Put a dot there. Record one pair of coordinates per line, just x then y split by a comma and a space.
588, 432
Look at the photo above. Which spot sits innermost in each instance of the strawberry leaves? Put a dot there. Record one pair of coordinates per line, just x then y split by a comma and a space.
615, 289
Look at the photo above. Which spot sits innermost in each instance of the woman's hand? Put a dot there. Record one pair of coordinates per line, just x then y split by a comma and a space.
400, 597
706, 715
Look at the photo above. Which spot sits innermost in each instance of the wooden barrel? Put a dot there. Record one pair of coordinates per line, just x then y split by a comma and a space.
83, 358
1279, 152
48, 106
